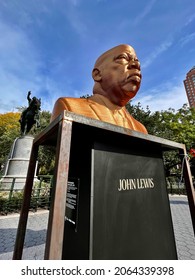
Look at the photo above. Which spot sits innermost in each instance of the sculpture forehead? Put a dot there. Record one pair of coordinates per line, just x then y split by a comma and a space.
112, 52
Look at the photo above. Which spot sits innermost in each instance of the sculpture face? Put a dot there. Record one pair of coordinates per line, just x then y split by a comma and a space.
120, 74
117, 77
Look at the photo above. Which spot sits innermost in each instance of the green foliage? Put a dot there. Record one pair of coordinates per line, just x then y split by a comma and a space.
9, 130
178, 126
11, 200
10, 204
85, 96
44, 122
46, 156
182, 125
46, 160
174, 125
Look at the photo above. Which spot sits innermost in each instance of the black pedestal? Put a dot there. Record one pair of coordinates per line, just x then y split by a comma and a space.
123, 209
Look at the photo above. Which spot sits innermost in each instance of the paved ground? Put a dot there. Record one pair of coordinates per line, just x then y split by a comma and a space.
37, 224
184, 234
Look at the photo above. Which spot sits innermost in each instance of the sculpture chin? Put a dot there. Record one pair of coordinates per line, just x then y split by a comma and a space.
134, 78
131, 89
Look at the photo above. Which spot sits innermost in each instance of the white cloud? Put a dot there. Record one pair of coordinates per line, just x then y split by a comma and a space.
144, 12
188, 38
162, 48
190, 19
163, 98
74, 16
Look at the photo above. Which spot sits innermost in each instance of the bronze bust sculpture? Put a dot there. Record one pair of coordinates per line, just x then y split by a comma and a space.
117, 79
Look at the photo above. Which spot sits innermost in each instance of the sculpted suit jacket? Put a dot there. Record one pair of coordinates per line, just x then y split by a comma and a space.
100, 108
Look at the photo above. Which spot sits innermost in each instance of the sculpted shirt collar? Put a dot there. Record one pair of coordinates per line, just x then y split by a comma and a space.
98, 98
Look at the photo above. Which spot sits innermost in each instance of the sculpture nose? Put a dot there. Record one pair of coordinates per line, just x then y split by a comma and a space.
134, 63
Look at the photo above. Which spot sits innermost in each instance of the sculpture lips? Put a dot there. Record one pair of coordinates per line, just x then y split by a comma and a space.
135, 74
135, 77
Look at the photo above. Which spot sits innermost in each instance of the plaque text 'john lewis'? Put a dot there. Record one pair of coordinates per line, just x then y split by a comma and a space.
135, 184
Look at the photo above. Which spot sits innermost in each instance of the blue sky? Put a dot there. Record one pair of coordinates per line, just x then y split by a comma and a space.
50, 46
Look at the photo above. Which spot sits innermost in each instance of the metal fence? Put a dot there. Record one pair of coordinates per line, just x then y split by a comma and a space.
11, 198
175, 185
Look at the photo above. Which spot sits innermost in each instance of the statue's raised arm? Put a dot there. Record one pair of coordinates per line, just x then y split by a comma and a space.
28, 97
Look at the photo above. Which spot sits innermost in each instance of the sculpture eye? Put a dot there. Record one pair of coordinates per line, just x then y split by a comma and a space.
123, 56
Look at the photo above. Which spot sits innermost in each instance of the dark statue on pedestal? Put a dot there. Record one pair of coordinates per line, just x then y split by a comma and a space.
31, 115
16, 166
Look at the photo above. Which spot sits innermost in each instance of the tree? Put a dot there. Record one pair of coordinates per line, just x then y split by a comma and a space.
178, 126
181, 128
182, 125
9, 130
46, 156
174, 125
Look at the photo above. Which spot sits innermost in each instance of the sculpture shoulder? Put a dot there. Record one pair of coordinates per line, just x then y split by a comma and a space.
133, 123
70, 104
141, 127
96, 110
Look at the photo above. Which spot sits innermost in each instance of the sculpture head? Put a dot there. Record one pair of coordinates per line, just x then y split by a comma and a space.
117, 74
35, 103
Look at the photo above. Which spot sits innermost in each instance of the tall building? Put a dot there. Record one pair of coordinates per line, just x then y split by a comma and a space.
189, 84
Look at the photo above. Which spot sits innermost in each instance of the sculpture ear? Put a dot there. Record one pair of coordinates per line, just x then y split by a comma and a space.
96, 74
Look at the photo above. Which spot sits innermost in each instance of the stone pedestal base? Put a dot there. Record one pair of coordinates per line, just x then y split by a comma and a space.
17, 164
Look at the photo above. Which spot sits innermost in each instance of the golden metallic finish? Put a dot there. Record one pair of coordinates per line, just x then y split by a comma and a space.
100, 108
117, 78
